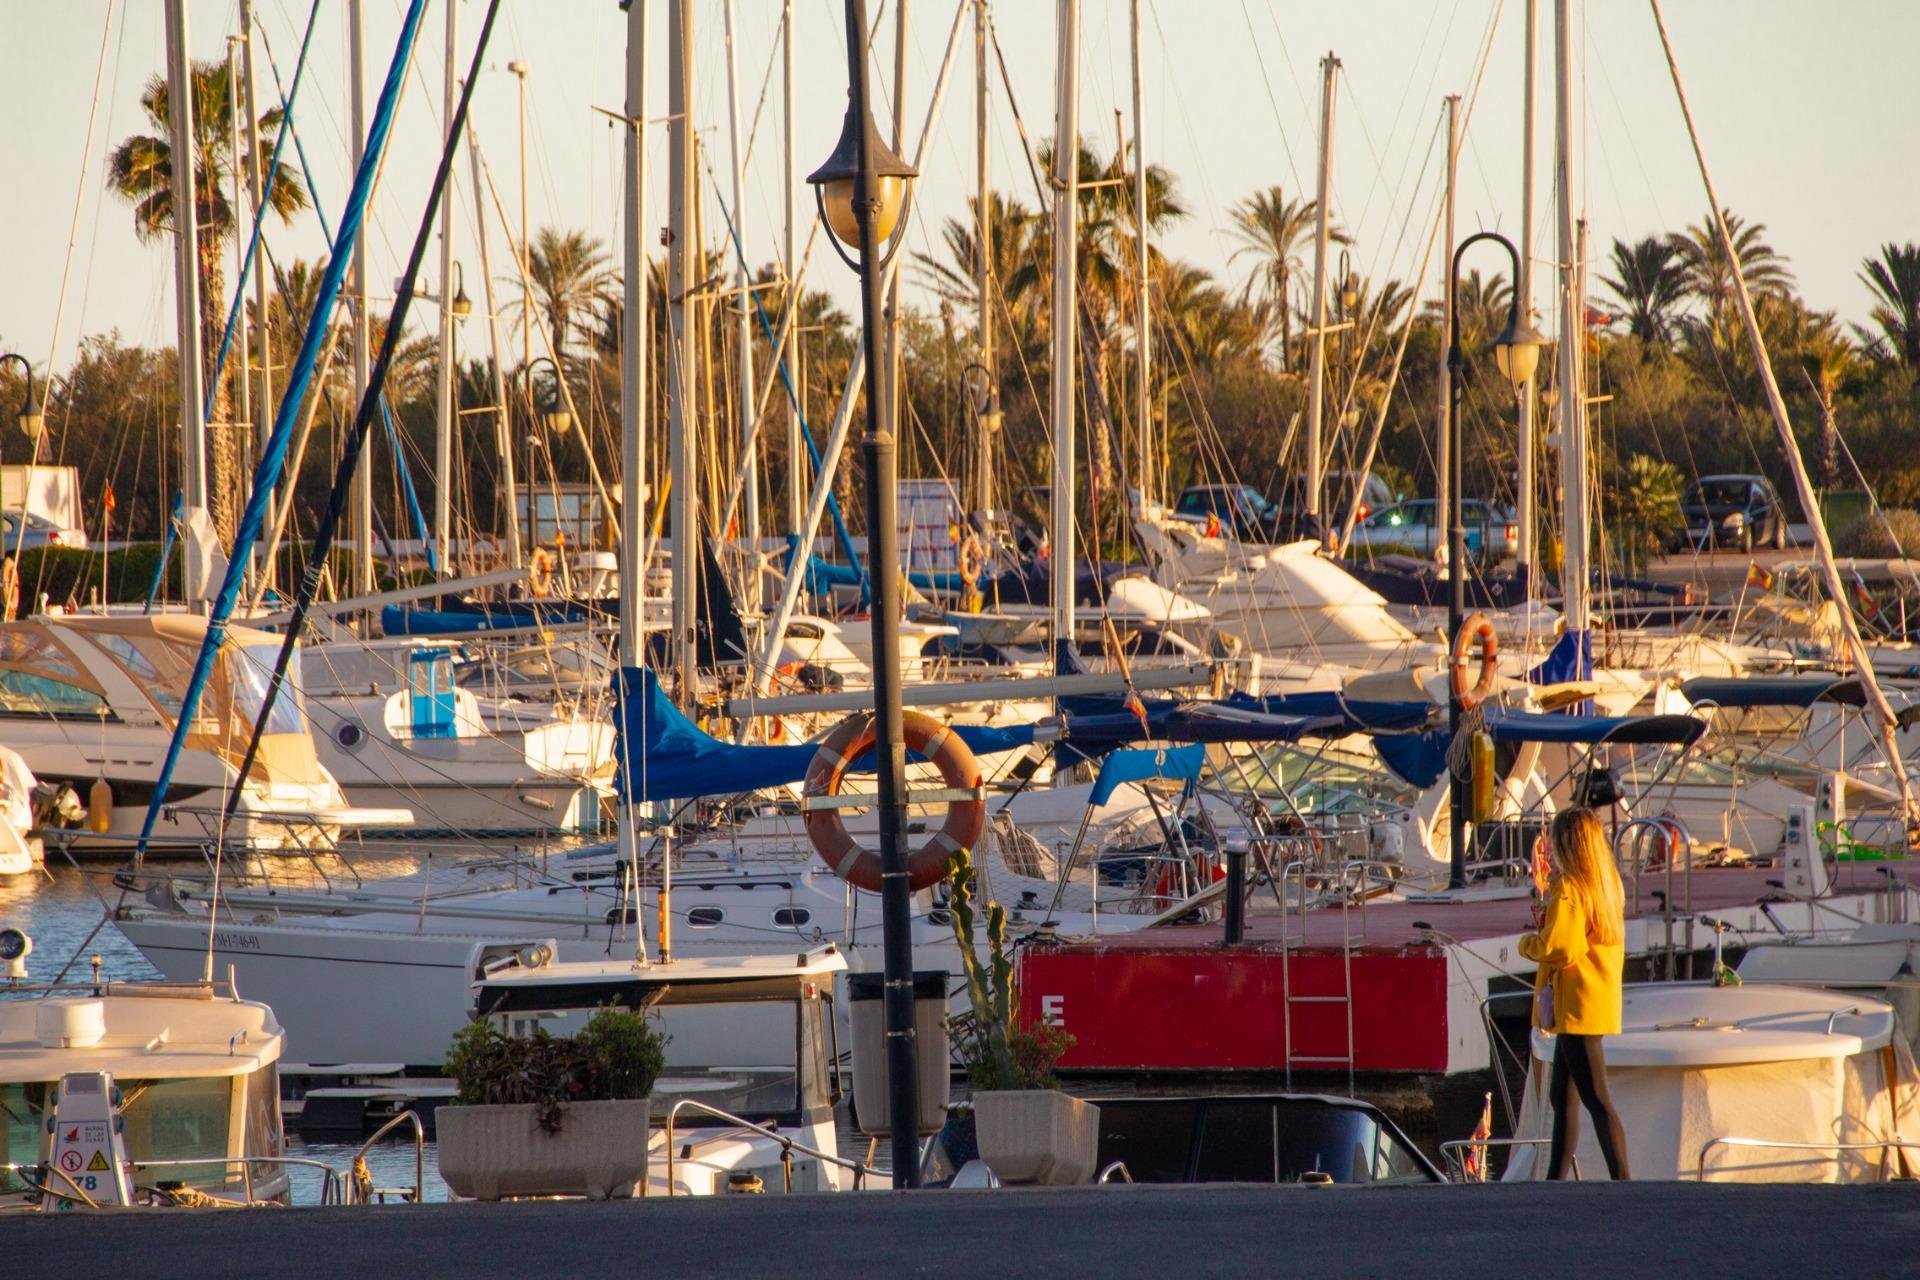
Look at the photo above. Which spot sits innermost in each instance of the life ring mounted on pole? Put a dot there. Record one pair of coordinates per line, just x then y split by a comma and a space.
973, 559
540, 573
1476, 627
926, 737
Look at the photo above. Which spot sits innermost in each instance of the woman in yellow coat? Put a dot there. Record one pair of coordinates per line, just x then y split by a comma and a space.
1580, 947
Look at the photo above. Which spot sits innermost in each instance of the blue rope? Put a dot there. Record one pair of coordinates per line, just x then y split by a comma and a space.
273, 458
406, 487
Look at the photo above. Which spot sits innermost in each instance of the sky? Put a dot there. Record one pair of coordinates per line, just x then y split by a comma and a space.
1807, 112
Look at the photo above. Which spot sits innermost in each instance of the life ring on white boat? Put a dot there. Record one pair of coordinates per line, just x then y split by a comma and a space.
540, 575
1477, 626
934, 742
10, 588
973, 560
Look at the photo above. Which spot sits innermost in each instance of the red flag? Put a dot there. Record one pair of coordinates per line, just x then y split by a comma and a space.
1213, 524
1474, 1165
1138, 708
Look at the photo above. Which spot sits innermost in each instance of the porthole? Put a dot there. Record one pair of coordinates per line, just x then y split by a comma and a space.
349, 735
792, 917
705, 917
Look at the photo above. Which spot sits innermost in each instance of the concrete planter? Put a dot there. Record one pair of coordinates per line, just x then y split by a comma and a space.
490, 1152
1037, 1135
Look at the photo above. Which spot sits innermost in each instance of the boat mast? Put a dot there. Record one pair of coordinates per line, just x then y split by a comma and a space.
1524, 515
796, 411
186, 280
1143, 306
1443, 446
363, 575
1567, 377
1317, 367
444, 418
983, 242
502, 434
633, 409
263, 334
242, 388
1066, 225
901, 12
742, 303
682, 394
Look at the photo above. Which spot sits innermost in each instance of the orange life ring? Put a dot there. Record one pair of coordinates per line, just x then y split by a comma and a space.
973, 560
931, 740
1476, 626
540, 579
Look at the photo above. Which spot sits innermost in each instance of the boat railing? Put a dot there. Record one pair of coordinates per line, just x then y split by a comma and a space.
1780, 1144
1116, 1170
787, 1145
362, 1182
1672, 844
333, 1187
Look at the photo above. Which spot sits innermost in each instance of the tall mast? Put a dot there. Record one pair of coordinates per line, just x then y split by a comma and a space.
363, 575
1317, 368
901, 14
502, 433
242, 388
1443, 450
633, 402
445, 420
797, 411
742, 300
1066, 225
263, 334
186, 281
983, 246
1523, 287
1567, 378
682, 394
1143, 304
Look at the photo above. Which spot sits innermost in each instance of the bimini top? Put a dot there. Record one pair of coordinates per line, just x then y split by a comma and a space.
593, 984
138, 1031
1785, 691
1693, 1025
1551, 726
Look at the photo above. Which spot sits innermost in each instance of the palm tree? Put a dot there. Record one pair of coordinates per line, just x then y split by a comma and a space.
1650, 282
1275, 230
140, 171
1709, 275
570, 278
1894, 277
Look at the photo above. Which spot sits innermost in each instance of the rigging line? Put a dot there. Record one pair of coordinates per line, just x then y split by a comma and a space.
79, 200
1266, 79
1019, 123
363, 415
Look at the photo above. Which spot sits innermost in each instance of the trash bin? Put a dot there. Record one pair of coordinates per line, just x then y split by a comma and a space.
866, 1010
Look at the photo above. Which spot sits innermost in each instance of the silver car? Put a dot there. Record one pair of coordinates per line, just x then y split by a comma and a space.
1411, 526
40, 532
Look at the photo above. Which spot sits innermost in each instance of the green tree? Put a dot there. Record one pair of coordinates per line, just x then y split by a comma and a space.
1275, 231
1650, 281
1708, 271
571, 280
1645, 504
1894, 277
141, 171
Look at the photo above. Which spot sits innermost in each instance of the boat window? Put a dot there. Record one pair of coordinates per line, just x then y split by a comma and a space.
31, 647
140, 665
1237, 1143
23, 1113
739, 1057
1152, 1137
179, 1120
264, 1131
791, 917
705, 917
27, 693
252, 670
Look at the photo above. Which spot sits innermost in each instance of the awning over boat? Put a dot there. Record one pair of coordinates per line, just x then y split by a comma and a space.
678, 759
1552, 726
1781, 691
1191, 722
1358, 716
1142, 764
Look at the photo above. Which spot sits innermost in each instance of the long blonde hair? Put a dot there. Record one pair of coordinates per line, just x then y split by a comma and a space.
1583, 865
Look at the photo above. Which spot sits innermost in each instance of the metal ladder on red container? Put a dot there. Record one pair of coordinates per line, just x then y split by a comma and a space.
1352, 882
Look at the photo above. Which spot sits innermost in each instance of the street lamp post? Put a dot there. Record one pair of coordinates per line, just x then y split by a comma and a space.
862, 193
33, 410
551, 413
1516, 351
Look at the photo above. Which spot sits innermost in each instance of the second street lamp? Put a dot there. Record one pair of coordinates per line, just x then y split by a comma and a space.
33, 410
862, 194
1516, 350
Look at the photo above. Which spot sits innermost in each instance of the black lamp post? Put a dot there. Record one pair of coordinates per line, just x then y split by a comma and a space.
862, 193
1516, 351
551, 410
33, 412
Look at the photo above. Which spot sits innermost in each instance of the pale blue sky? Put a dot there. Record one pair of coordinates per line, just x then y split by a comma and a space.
1808, 113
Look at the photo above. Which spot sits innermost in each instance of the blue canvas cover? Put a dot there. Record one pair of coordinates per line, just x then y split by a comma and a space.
1139, 764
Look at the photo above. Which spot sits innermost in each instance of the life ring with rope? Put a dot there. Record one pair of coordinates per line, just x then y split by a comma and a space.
933, 741
1475, 627
10, 587
973, 560
540, 576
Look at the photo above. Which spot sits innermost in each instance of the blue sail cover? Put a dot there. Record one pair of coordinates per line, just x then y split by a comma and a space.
1089, 735
1141, 764
679, 760
1571, 659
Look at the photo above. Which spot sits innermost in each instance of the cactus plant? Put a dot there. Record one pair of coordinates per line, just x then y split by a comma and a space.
998, 1053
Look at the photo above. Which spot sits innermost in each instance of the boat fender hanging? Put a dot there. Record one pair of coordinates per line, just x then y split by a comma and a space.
933, 742
1480, 752
100, 807
540, 577
1477, 627
973, 559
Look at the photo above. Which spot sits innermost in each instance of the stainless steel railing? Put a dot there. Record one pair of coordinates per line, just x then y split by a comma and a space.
787, 1146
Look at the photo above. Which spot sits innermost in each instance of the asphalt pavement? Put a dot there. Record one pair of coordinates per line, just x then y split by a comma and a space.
1571, 1230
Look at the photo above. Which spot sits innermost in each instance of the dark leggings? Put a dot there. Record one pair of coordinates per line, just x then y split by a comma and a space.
1578, 1065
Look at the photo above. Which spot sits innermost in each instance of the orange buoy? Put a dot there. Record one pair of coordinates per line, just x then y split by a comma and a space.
926, 737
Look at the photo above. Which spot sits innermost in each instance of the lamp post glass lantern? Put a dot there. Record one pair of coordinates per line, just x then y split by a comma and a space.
552, 407
1517, 352
862, 193
33, 411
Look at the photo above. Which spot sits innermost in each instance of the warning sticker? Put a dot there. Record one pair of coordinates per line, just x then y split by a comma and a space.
70, 1161
98, 1164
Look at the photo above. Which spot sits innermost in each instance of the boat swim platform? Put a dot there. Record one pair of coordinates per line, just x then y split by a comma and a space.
1568, 1230
1413, 975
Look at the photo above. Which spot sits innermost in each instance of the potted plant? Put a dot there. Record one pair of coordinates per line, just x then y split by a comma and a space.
1027, 1129
551, 1115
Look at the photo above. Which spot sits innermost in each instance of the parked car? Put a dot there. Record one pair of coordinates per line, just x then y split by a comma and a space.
40, 532
1742, 512
1242, 510
1340, 492
1491, 530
